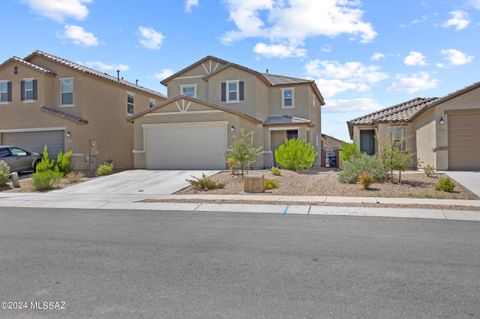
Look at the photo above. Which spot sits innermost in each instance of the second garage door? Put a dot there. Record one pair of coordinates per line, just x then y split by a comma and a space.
463, 140
185, 146
35, 141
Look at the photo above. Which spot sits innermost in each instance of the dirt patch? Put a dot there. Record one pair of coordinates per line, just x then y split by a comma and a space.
325, 183
27, 187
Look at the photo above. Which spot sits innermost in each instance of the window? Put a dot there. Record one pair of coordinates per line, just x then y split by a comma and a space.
4, 152
287, 98
28, 90
66, 92
152, 103
130, 103
232, 91
4, 96
292, 134
397, 136
18, 151
188, 90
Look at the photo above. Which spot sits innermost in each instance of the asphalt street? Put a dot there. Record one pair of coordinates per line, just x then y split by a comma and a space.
147, 264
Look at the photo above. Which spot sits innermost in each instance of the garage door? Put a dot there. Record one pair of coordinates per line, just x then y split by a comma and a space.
34, 141
185, 146
463, 140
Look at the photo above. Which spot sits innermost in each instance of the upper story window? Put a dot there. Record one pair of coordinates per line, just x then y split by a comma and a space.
66, 92
130, 103
188, 90
28, 90
5, 91
288, 95
152, 103
397, 137
233, 91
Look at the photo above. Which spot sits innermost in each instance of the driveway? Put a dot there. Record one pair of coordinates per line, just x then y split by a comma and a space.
136, 182
469, 179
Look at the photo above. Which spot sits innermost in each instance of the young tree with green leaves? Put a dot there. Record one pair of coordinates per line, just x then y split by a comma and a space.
394, 159
243, 151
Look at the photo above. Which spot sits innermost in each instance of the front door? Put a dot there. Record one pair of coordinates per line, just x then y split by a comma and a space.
367, 141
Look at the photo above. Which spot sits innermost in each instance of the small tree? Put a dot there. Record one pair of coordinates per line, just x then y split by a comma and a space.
348, 151
394, 159
243, 151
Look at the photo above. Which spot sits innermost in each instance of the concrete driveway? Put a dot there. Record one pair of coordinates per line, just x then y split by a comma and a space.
469, 179
136, 182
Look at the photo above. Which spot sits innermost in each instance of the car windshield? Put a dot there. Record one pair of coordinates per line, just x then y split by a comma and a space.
18, 151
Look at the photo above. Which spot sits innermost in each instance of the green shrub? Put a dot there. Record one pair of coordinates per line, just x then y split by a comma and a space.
105, 169
4, 173
74, 177
365, 179
352, 169
295, 155
46, 164
270, 184
429, 170
276, 171
63, 162
232, 165
204, 183
445, 184
43, 181
348, 151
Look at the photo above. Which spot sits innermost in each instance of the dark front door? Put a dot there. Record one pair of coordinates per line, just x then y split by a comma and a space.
367, 141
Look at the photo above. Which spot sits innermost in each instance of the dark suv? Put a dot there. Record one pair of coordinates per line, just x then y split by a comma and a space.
19, 159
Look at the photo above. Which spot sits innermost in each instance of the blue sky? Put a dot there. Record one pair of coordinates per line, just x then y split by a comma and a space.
364, 55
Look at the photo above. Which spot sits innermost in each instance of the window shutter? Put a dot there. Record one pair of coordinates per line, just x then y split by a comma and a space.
22, 90
35, 94
224, 92
9, 91
241, 85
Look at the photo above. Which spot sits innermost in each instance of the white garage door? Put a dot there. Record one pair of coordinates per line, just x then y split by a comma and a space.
34, 141
185, 146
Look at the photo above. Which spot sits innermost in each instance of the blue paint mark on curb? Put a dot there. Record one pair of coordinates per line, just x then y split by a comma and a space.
285, 210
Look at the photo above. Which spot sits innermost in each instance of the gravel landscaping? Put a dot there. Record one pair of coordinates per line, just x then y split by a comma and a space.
322, 182
27, 187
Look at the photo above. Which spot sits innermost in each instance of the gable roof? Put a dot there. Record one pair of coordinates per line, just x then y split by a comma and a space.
285, 120
63, 115
192, 66
195, 100
330, 141
87, 70
28, 64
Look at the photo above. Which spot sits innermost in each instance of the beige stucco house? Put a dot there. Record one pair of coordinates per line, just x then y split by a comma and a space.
210, 101
48, 100
442, 132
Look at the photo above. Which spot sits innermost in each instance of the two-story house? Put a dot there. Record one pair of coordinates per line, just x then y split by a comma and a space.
210, 102
47, 100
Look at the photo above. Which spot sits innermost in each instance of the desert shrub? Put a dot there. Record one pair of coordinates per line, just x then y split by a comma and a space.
295, 155
63, 162
429, 170
46, 164
352, 169
394, 159
4, 173
232, 165
104, 169
276, 171
445, 184
243, 151
204, 183
45, 180
365, 179
348, 151
270, 184
74, 177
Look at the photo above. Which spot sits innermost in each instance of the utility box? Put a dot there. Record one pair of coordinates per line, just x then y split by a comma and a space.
253, 184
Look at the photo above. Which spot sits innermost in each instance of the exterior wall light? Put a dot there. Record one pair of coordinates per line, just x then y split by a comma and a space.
232, 129
442, 121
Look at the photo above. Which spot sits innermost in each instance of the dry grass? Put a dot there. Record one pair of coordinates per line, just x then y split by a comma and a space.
325, 183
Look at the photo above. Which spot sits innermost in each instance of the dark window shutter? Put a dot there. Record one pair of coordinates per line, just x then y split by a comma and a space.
22, 90
9, 91
35, 94
224, 92
242, 90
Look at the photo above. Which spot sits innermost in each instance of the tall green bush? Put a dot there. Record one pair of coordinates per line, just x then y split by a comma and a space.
295, 155
348, 151
45, 180
63, 162
243, 151
46, 164
4, 173
363, 163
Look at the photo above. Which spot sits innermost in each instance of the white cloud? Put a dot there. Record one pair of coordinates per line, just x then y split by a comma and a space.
364, 105
190, 4
334, 77
105, 67
440, 65
279, 50
377, 56
59, 10
416, 82
456, 57
150, 38
475, 4
292, 21
79, 36
459, 20
415, 58
165, 73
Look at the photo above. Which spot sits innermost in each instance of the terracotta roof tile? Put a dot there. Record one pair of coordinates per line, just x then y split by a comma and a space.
64, 115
